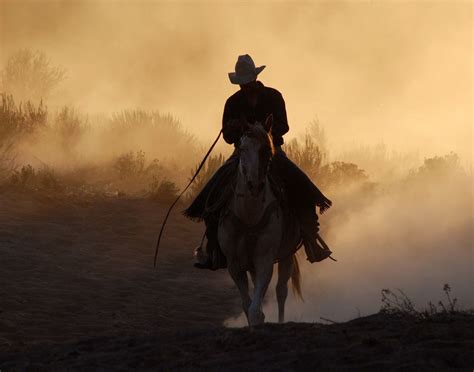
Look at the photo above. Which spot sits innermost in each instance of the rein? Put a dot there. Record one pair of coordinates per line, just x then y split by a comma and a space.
182, 193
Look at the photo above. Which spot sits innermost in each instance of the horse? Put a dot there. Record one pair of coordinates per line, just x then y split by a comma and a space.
251, 230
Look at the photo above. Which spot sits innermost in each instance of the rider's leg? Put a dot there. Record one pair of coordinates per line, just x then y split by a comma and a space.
302, 195
215, 259
210, 192
296, 181
309, 230
209, 197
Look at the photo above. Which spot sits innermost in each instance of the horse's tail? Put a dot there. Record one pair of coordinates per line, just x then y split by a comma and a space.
296, 278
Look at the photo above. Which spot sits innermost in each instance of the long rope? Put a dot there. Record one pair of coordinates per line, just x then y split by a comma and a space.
181, 194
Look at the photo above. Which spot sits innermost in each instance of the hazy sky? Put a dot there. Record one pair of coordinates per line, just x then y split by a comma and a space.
393, 72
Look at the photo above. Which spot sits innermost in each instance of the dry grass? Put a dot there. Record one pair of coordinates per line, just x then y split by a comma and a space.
69, 127
214, 162
19, 120
40, 152
147, 153
397, 302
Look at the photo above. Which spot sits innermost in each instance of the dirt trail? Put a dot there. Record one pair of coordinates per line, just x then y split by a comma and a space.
78, 292
374, 343
75, 268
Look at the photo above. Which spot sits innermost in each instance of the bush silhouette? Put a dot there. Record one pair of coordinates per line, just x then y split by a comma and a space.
30, 75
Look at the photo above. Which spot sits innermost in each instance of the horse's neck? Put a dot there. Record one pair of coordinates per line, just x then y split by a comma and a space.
247, 208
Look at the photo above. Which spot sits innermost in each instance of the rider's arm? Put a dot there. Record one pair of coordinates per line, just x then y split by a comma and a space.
230, 131
280, 121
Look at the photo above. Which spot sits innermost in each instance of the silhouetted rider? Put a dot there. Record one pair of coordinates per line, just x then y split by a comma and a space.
254, 102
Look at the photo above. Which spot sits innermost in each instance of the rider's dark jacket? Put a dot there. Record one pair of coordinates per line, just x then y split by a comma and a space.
270, 101
302, 194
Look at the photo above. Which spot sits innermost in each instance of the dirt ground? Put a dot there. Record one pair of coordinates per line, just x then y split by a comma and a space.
78, 291
73, 268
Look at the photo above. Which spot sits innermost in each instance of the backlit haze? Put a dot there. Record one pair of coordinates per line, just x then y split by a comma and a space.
371, 72
397, 73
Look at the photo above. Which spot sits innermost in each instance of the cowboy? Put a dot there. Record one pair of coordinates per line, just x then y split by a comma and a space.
253, 103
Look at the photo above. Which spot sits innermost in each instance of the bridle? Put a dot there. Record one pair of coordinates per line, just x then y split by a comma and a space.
268, 158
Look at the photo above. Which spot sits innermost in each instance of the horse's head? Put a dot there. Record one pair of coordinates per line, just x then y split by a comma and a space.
256, 151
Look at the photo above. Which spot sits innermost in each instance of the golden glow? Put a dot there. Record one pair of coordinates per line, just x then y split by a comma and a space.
392, 72
397, 73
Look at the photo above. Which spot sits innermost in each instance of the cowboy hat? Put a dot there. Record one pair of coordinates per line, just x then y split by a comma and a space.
245, 70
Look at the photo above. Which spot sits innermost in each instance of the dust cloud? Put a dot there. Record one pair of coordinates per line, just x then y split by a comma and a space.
393, 72
415, 235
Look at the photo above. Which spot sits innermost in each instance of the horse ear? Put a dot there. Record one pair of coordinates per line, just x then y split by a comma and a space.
268, 123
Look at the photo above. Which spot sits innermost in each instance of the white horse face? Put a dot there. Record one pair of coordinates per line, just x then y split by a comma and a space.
253, 164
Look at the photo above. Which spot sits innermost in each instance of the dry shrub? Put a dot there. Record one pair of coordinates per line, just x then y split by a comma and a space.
130, 165
213, 163
69, 141
310, 152
159, 135
7, 161
27, 124
18, 121
438, 177
133, 165
25, 177
340, 174
129, 174
318, 134
132, 174
397, 302
379, 162
438, 166
307, 155
44, 179
164, 191
30, 75
69, 127
60, 140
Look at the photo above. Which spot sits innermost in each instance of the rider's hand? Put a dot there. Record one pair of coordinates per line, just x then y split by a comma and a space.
324, 205
234, 124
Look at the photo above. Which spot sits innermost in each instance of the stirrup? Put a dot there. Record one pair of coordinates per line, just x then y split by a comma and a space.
202, 260
316, 253
200, 256
203, 266
320, 255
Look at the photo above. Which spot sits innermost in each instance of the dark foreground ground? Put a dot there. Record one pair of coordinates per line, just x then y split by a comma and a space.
374, 343
78, 292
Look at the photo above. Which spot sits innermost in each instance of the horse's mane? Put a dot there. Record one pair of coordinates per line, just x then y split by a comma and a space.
258, 132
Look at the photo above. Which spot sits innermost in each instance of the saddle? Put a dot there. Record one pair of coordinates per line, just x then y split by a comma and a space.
213, 200
291, 239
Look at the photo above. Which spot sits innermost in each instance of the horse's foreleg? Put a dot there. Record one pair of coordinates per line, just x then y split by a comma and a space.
285, 269
241, 280
253, 276
263, 275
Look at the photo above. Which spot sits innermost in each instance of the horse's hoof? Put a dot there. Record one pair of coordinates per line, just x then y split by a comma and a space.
200, 256
256, 318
